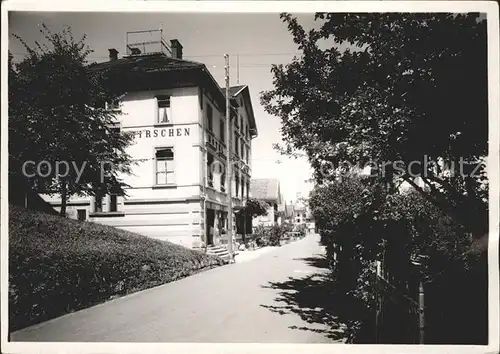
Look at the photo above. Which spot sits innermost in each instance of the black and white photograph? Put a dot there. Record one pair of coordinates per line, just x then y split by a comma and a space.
231, 173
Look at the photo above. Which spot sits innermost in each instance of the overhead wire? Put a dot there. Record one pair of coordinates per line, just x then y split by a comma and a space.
254, 65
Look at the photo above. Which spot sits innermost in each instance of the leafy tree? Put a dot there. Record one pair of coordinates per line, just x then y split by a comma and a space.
406, 86
58, 114
253, 208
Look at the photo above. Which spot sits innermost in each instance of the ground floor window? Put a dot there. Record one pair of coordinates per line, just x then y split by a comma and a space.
113, 202
98, 204
82, 214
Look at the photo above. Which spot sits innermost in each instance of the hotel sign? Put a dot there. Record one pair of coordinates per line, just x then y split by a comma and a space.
161, 133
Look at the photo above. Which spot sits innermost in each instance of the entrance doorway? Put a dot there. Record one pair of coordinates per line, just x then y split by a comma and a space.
209, 232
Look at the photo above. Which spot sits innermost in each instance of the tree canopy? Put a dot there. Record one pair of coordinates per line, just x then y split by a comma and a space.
58, 114
255, 207
407, 87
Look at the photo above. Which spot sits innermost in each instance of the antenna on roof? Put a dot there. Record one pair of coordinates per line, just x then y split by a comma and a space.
238, 68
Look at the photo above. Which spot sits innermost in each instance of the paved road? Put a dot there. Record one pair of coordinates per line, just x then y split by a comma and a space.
234, 303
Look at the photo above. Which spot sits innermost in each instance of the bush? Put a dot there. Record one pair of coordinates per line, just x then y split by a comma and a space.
261, 239
302, 230
271, 235
360, 223
275, 234
57, 265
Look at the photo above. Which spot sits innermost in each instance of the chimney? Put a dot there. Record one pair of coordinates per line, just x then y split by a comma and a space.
176, 49
113, 54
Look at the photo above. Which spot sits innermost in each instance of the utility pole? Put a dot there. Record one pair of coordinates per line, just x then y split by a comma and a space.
238, 68
229, 167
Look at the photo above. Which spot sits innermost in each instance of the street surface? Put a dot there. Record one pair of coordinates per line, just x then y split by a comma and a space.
234, 303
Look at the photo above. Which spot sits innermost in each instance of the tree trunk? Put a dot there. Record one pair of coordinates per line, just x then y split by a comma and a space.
64, 198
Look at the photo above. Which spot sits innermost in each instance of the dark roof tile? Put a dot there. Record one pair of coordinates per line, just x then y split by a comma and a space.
147, 63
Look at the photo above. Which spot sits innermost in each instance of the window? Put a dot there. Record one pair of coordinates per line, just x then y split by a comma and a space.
98, 204
242, 187
210, 117
242, 149
113, 202
236, 145
164, 110
223, 180
82, 214
241, 123
247, 156
248, 188
210, 175
165, 166
247, 131
222, 131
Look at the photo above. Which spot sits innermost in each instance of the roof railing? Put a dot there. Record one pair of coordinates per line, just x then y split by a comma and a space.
147, 42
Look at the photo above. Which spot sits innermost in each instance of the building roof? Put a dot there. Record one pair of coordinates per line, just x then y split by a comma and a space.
244, 91
148, 63
266, 189
157, 71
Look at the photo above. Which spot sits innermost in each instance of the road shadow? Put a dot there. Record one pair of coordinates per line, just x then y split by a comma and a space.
318, 261
311, 298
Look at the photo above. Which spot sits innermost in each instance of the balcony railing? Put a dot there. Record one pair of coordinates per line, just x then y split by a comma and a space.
215, 143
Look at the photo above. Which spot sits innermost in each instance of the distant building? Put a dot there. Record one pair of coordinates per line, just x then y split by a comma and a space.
299, 215
288, 213
267, 190
176, 110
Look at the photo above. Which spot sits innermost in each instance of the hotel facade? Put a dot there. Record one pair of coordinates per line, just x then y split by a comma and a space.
176, 112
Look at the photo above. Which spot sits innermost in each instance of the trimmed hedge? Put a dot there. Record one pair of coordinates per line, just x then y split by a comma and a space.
58, 265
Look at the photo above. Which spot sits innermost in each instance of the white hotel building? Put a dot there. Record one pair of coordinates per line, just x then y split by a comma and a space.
176, 110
